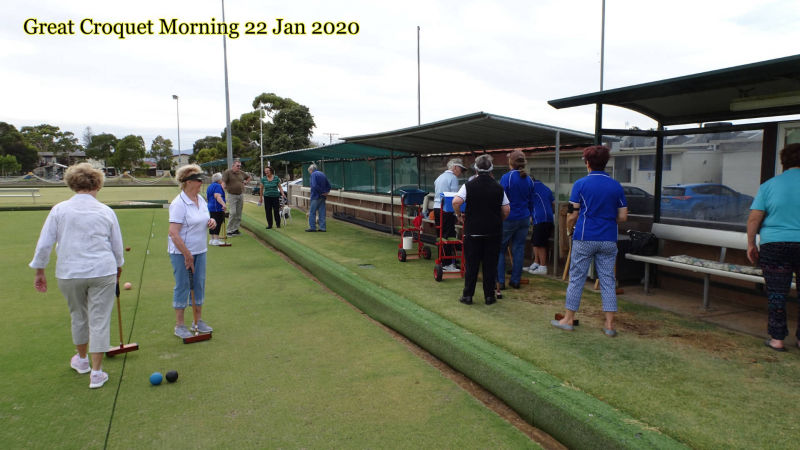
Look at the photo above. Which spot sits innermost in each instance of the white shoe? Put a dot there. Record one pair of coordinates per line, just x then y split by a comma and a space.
451, 268
215, 242
541, 270
97, 379
533, 267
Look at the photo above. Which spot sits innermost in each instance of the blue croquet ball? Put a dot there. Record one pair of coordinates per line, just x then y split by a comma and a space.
172, 376
156, 378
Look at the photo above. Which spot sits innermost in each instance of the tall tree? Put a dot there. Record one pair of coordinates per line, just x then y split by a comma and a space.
9, 165
102, 147
49, 138
128, 152
13, 143
161, 151
87, 137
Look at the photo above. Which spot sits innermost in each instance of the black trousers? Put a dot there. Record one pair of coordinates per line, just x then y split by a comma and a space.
272, 206
218, 217
448, 221
481, 251
779, 261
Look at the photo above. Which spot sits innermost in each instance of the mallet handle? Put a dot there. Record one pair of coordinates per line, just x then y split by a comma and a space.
119, 317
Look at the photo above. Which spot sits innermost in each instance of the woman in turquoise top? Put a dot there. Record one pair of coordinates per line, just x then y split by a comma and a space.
775, 215
272, 191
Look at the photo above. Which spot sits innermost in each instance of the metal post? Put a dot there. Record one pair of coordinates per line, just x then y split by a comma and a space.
227, 96
555, 194
598, 119
261, 139
178, 114
419, 113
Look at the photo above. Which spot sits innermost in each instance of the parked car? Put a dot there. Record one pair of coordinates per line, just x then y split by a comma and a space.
704, 201
285, 184
639, 200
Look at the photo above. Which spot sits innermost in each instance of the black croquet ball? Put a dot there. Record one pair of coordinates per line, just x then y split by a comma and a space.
172, 376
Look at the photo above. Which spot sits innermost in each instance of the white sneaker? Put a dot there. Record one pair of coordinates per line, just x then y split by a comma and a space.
97, 380
541, 270
214, 242
451, 268
533, 267
80, 365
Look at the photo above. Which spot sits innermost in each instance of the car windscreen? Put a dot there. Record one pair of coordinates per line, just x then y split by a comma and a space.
673, 191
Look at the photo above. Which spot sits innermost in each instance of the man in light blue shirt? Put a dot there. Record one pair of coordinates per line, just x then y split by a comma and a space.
447, 182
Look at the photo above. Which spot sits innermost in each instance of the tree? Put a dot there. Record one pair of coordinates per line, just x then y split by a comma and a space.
161, 151
49, 138
102, 147
207, 155
13, 143
87, 137
9, 164
128, 152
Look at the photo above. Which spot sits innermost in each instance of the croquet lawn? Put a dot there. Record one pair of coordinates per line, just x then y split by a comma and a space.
290, 364
705, 386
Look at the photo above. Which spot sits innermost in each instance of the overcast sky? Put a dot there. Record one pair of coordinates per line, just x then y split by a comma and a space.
505, 57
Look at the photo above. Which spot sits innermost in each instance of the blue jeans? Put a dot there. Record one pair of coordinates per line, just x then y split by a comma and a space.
180, 295
316, 206
515, 231
605, 257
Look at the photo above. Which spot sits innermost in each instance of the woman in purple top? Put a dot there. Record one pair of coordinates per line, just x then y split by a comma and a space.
597, 205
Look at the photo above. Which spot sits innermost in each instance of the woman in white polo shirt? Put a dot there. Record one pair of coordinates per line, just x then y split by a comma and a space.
188, 222
89, 248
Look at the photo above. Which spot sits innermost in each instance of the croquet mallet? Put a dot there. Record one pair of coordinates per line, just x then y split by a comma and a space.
122, 348
224, 229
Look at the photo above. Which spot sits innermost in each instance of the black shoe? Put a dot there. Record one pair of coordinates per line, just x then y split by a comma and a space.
465, 300
502, 287
311, 230
513, 285
269, 228
234, 233
491, 300
321, 231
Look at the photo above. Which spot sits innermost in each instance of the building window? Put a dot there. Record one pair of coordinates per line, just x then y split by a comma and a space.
648, 162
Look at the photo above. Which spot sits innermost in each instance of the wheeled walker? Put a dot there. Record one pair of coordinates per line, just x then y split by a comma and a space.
411, 229
456, 244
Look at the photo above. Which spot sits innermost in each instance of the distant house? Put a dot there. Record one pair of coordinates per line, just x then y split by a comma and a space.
49, 166
179, 160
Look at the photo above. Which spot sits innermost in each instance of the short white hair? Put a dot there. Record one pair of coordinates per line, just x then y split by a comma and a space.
216, 177
312, 167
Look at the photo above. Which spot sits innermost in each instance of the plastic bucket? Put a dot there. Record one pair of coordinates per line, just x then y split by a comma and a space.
447, 202
408, 242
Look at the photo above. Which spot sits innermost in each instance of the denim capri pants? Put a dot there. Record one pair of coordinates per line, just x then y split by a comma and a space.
180, 296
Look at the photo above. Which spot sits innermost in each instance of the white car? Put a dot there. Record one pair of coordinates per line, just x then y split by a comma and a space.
285, 184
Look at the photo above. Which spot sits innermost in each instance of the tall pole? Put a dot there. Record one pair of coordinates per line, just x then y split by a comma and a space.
598, 119
419, 113
227, 96
261, 140
178, 114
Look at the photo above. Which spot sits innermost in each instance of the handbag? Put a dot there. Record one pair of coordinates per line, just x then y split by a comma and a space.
643, 243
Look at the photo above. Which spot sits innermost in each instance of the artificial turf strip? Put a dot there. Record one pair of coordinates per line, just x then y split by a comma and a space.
575, 418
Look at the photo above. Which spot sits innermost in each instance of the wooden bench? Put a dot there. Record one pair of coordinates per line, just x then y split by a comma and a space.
20, 192
702, 236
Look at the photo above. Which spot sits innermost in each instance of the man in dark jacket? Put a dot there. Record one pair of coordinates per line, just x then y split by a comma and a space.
486, 210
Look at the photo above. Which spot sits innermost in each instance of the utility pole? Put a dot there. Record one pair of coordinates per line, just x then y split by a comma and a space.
330, 136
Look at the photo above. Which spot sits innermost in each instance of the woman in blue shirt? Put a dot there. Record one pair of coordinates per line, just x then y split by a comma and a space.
597, 205
775, 214
518, 187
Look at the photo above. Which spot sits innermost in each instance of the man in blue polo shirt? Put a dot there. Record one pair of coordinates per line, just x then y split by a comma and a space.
319, 192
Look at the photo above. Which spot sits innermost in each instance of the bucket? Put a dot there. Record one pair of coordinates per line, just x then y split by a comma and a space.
408, 242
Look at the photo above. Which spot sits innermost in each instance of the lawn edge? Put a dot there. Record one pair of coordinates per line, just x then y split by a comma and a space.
575, 418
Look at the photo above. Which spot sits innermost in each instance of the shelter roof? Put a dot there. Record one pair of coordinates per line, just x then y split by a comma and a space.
763, 89
340, 151
478, 131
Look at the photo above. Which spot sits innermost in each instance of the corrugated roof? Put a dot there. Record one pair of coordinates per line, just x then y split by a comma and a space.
334, 152
763, 89
473, 132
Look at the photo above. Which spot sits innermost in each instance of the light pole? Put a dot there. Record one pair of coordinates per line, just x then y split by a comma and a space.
178, 114
227, 96
261, 139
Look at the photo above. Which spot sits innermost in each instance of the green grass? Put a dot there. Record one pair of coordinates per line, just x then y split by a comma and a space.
705, 386
290, 365
108, 195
